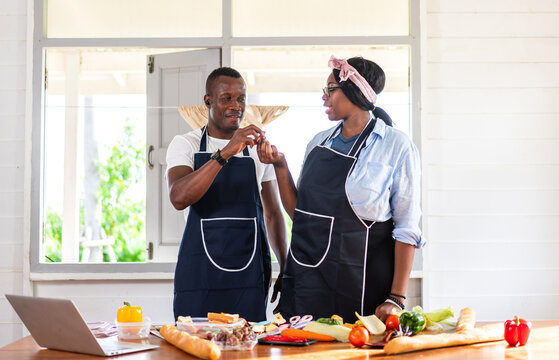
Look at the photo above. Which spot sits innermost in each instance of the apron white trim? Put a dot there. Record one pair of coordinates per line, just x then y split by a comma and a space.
336, 152
368, 227
229, 218
364, 273
329, 239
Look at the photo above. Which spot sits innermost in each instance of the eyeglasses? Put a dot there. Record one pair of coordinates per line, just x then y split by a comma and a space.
328, 90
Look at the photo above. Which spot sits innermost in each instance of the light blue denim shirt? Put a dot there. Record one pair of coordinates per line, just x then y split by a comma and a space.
385, 182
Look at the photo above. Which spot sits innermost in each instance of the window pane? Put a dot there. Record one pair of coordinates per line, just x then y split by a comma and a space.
94, 155
132, 18
294, 76
320, 18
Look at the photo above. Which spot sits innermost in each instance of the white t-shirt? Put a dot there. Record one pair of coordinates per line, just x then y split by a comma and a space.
182, 148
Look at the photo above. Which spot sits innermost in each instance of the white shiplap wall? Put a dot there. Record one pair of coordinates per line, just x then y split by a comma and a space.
13, 23
491, 156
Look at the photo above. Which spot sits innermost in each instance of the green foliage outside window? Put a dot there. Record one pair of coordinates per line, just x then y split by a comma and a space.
53, 236
122, 215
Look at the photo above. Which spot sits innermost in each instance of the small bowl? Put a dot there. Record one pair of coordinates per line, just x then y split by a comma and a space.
243, 345
202, 328
134, 330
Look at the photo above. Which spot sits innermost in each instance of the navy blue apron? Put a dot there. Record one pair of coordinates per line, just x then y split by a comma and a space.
224, 261
337, 263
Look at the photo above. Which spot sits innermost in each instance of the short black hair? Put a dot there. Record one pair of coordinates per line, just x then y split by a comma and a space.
222, 71
371, 72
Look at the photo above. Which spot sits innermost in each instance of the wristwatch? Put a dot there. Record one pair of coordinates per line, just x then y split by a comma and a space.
217, 157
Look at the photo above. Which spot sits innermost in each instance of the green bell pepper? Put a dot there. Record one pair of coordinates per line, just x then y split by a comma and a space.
411, 321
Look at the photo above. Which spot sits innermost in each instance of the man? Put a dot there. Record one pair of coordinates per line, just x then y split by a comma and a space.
224, 262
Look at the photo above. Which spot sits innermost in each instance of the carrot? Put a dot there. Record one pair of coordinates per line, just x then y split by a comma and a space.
303, 334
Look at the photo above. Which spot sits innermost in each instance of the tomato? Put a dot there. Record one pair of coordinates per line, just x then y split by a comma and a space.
392, 322
359, 336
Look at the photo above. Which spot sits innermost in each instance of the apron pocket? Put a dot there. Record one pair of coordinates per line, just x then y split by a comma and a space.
311, 237
229, 243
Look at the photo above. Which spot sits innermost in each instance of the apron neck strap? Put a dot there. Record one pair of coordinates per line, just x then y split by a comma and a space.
204, 139
360, 142
204, 142
332, 134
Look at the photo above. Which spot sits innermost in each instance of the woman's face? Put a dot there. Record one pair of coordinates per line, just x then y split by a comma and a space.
337, 104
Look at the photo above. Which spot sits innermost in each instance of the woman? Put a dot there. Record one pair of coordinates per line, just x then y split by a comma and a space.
356, 210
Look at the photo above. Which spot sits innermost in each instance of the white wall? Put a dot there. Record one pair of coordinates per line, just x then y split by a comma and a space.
13, 23
491, 156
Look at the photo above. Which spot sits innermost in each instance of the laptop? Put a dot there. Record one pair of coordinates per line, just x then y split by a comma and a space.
57, 324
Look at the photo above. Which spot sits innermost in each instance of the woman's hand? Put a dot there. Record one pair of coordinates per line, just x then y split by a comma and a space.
384, 310
268, 154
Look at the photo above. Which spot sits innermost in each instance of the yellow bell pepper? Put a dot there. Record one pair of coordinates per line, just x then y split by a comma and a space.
127, 313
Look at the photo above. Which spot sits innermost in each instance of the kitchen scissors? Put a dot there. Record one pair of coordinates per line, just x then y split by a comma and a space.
299, 322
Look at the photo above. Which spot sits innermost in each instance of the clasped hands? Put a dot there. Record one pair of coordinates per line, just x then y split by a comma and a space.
249, 136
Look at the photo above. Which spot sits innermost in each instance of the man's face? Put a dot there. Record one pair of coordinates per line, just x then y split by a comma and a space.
227, 103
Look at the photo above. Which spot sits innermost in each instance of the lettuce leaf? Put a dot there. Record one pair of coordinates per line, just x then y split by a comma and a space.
437, 317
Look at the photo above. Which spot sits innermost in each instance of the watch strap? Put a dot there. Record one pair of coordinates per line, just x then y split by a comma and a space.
217, 157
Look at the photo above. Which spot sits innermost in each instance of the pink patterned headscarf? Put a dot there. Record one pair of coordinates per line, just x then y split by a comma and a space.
348, 72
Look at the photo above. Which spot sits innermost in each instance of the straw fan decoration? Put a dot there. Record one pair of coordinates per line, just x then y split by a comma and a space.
196, 116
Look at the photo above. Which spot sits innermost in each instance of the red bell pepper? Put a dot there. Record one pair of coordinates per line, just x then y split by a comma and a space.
517, 331
277, 338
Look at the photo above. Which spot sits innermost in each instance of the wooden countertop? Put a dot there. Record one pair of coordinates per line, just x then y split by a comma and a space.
544, 344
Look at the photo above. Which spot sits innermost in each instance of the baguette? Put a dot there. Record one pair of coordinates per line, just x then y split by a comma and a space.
193, 345
466, 334
223, 318
466, 320
492, 332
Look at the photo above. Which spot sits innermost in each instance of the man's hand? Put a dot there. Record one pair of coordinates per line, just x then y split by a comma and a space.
268, 154
247, 136
277, 290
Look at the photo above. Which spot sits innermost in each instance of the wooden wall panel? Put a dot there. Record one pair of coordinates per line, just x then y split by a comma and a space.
495, 6
483, 201
501, 228
499, 307
490, 177
492, 100
492, 75
492, 25
490, 128
512, 255
484, 50
497, 152
512, 125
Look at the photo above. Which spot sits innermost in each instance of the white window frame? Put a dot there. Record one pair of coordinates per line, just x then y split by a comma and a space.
151, 270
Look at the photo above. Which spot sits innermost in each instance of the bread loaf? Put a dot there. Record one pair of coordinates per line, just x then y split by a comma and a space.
223, 318
465, 334
466, 320
193, 345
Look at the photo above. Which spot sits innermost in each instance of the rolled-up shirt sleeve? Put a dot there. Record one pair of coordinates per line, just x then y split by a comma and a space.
405, 199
